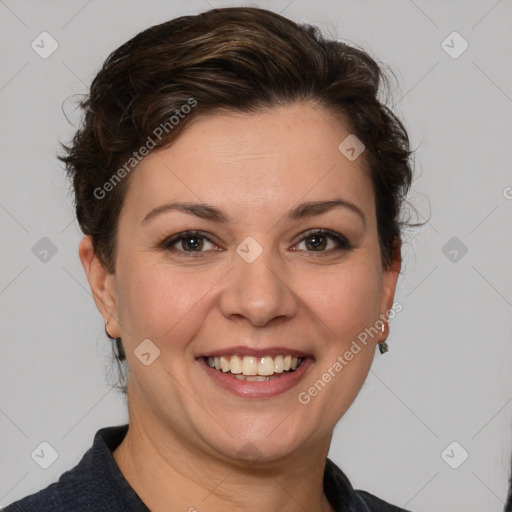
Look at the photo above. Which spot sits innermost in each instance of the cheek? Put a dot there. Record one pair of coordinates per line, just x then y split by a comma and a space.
346, 299
159, 301
345, 305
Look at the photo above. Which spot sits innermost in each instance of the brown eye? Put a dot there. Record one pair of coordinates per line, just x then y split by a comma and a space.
324, 241
316, 242
191, 242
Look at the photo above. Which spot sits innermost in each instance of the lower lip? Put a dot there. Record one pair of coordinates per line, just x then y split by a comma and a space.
254, 389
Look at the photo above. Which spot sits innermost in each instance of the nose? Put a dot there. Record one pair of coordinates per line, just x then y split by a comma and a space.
258, 292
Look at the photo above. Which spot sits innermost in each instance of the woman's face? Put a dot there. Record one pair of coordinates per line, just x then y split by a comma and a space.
255, 282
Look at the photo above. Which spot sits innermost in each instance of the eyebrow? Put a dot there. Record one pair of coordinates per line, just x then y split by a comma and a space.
212, 213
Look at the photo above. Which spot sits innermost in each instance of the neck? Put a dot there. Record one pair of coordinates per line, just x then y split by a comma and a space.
170, 475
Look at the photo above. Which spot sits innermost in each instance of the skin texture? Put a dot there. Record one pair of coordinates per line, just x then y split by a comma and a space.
188, 437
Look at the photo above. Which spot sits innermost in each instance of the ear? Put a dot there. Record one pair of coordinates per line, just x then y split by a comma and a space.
102, 284
389, 280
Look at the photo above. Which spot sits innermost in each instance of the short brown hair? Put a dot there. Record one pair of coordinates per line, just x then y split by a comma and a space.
235, 59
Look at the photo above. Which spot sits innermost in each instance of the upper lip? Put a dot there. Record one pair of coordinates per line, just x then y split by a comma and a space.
255, 352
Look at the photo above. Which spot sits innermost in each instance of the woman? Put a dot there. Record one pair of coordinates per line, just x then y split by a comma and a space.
239, 186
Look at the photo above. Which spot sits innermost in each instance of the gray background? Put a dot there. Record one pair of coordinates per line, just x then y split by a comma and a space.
447, 376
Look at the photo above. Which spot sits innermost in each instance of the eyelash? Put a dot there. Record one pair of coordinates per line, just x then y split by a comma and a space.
341, 241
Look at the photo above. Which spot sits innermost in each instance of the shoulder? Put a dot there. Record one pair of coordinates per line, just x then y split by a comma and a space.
374, 504
56, 497
343, 496
71, 492
93, 484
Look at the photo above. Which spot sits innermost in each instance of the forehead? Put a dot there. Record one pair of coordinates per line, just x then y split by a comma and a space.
255, 163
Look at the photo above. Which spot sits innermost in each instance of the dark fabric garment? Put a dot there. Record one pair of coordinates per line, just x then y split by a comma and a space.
96, 484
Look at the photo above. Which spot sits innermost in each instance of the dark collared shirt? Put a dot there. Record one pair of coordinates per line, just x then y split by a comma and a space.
96, 484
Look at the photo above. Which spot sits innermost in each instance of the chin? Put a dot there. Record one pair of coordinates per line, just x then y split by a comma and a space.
250, 448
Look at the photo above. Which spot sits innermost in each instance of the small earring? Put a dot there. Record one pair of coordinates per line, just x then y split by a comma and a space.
106, 331
383, 346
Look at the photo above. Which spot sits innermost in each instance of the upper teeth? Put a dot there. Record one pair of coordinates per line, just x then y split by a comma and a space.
249, 365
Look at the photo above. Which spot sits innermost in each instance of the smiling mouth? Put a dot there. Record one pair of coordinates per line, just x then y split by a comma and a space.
254, 369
